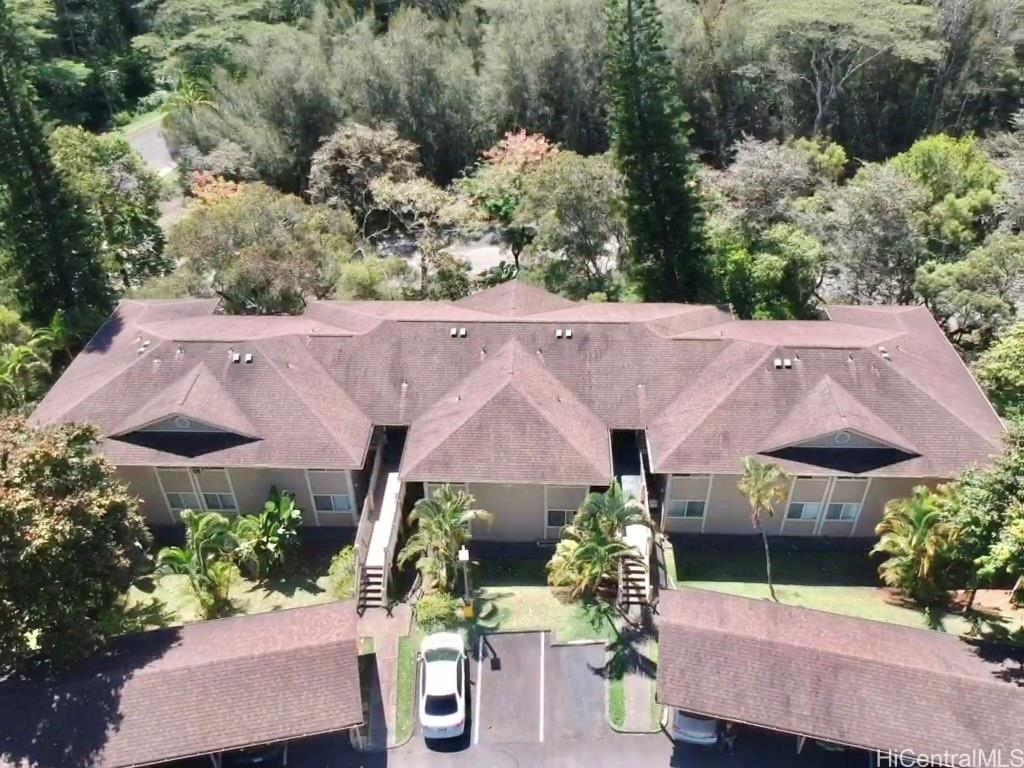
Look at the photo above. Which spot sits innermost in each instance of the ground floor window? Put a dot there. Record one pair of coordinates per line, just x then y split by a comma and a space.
803, 510
200, 490
846, 511
335, 502
556, 520
686, 508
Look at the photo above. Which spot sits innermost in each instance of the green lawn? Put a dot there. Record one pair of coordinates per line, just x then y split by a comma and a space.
167, 601
406, 684
839, 582
529, 607
617, 702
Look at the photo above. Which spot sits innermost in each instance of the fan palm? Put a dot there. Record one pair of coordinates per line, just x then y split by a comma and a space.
917, 539
443, 521
764, 485
205, 559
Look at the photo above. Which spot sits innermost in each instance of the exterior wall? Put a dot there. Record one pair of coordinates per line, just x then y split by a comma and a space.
142, 482
680, 488
728, 512
250, 487
519, 509
883, 490
808, 491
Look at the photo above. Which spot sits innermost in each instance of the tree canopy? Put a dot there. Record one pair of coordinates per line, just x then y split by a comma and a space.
73, 541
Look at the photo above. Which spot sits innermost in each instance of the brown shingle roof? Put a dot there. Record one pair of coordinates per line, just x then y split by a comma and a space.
702, 385
202, 688
856, 682
511, 399
828, 408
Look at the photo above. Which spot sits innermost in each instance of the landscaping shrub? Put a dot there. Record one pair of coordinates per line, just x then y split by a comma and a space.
437, 610
342, 573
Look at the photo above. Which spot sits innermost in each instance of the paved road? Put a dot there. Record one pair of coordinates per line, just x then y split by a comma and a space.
150, 143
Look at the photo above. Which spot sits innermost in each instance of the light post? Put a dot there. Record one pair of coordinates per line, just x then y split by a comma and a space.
467, 607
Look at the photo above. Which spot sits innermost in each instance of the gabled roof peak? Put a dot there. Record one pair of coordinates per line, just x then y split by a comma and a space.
515, 298
197, 396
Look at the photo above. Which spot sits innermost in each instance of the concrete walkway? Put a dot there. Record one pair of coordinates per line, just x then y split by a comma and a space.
638, 686
380, 683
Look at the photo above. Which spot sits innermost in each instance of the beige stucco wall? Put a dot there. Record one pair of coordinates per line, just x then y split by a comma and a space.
251, 487
518, 511
729, 510
142, 482
882, 490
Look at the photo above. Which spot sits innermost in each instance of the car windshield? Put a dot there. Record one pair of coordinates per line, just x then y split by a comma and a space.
441, 654
441, 705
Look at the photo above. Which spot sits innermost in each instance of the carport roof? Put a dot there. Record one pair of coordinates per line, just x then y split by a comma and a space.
856, 682
174, 693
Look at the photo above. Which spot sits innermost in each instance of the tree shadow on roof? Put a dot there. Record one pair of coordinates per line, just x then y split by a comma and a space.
64, 719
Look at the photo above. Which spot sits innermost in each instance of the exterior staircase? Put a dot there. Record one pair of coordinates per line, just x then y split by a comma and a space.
635, 574
371, 588
379, 527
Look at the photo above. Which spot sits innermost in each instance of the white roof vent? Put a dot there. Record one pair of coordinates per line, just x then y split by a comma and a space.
787, 363
462, 333
558, 333
568, 333
248, 357
778, 363
453, 331
236, 358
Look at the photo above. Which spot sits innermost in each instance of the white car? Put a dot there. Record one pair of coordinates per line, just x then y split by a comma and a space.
695, 729
443, 685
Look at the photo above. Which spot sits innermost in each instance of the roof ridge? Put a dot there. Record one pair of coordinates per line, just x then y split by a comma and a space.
311, 406
942, 405
538, 406
724, 394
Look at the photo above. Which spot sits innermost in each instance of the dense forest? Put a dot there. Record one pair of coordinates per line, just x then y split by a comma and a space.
769, 154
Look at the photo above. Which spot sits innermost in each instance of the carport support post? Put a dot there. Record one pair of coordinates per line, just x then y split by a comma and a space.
800, 741
216, 758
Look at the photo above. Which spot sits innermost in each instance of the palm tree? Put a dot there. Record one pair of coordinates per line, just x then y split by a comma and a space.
443, 528
587, 561
764, 484
917, 539
204, 559
611, 509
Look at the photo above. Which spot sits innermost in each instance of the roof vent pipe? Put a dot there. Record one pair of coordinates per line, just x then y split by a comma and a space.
462, 333
558, 333
568, 333
778, 363
248, 357
453, 331
787, 363
235, 357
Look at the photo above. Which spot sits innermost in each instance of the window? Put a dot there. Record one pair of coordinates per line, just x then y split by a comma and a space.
337, 502
182, 501
692, 508
559, 518
803, 510
842, 511
220, 502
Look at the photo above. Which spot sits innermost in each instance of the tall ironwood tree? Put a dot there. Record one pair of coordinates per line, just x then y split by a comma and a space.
650, 139
44, 231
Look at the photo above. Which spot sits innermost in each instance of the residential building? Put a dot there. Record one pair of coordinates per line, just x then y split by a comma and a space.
524, 398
